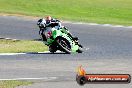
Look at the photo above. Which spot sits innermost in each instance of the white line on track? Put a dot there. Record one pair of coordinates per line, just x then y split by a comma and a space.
11, 54
4, 54
43, 78
96, 24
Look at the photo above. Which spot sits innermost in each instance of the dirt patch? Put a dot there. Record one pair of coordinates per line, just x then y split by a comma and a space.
20, 15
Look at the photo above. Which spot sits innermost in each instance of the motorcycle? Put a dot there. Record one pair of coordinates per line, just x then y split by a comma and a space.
59, 40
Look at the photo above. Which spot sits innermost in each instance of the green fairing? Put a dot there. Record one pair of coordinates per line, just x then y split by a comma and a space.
60, 33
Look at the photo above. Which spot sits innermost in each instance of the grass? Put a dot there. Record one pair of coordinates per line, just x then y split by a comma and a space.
13, 84
99, 11
13, 46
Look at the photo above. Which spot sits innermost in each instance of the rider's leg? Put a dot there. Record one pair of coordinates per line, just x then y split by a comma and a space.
43, 35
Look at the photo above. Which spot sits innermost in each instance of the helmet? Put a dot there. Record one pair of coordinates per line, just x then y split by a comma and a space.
48, 19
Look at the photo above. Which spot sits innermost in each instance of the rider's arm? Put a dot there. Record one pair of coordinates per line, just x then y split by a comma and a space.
65, 30
55, 22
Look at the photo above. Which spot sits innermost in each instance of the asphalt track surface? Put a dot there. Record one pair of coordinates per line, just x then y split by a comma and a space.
106, 50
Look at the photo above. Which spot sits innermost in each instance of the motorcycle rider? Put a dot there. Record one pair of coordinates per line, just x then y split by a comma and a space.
50, 22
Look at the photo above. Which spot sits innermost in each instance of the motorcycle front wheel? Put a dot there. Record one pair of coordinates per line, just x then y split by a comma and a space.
64, 45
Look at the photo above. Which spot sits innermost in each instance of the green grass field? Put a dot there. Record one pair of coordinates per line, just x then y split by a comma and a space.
11, 46
13, 84
99, 11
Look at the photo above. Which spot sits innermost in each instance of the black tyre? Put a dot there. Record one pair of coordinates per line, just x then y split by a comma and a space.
81, 80
52, 48
80, 50
64, 44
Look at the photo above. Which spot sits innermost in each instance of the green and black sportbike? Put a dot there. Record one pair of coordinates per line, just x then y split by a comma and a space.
59, 39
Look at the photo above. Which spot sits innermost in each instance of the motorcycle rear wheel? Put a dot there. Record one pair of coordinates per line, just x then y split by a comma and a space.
52, 48
80, 50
